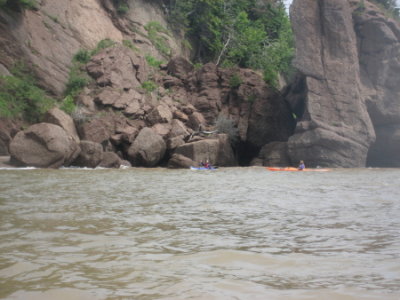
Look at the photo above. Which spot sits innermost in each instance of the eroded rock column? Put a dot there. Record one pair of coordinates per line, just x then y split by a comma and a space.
335, 128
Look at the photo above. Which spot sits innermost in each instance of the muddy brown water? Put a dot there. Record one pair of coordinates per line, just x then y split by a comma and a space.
233, 233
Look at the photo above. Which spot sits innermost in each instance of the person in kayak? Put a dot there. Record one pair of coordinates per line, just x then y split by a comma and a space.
301, 166
207, 164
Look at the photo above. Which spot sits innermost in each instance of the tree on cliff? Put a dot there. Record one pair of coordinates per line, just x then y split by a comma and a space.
390, 5
246, 33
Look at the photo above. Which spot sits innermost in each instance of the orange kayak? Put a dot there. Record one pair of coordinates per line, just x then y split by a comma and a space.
296, 170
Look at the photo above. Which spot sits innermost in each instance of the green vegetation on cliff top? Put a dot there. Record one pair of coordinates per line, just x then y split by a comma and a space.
390, 7
246, 33
27, 4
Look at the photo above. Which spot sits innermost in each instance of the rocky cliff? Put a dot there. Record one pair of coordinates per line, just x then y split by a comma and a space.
346, 96
48, 37
378, 44
148, 114
342, 109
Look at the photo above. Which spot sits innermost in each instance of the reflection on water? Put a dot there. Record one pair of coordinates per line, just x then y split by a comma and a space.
234, 233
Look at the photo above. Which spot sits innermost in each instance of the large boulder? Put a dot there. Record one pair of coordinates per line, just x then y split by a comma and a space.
118, 67
100, 129
130, 102
218, 151
334, 128
147, 150
160, 114
162, 129
173, 143
178, 129
58, 117
110, 160
200, 150
44, 145
179, 161
197, 121
91, 155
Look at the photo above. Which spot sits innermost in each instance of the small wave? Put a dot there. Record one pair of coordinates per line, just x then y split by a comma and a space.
16, 168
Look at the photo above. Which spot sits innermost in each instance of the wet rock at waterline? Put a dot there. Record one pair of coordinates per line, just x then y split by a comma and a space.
43, 145
90, 156
178, 161
217, 150
148, 149
110, 160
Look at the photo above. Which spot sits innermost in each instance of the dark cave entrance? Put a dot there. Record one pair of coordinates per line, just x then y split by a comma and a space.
245, 153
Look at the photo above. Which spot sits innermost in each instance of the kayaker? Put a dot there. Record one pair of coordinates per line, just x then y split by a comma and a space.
301, 166
207, 164
201, 164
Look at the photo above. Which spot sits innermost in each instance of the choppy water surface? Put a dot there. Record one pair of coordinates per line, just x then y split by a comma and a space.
234, 233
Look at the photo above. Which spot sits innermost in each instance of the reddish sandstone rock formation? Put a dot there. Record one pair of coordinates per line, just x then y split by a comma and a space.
118, 67
217, 150
99, 129
179, 67
178, 161
273, 154
90, 156
379, 54
49, 37
334, 128
57, 117
110, 160
44, 145
8, 129
147, 150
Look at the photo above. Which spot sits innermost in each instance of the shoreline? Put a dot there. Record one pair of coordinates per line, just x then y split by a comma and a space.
5, 162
